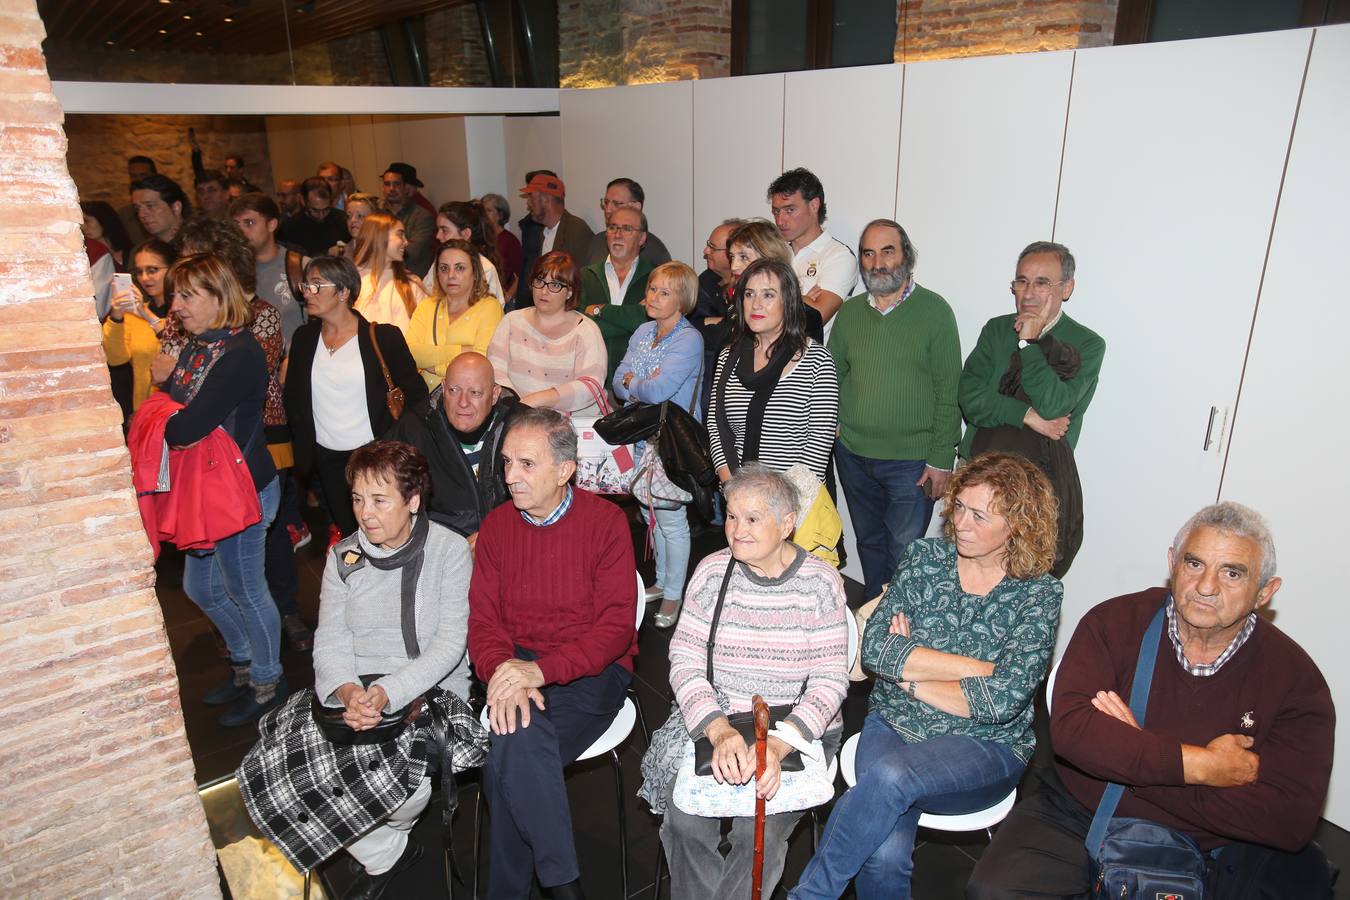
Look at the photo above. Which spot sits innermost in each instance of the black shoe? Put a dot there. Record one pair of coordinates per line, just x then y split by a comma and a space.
248, 709
372, 887
569, 891
227, 691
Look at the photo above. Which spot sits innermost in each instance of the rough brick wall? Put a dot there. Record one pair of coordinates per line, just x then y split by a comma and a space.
607, 42
100, 145
97, 779
939, 29
455, 54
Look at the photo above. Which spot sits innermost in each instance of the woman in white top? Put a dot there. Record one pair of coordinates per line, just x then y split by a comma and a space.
550, 354
389, 293
464, 220
336, 394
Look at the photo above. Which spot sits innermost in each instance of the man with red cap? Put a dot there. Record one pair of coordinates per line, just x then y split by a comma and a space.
557, 229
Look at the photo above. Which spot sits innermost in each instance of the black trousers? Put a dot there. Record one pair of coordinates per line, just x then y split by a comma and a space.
330, 468
279, 556
530, 830
1038, 851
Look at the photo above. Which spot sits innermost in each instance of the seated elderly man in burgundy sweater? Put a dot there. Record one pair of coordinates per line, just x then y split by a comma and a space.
551, 609
1238, 745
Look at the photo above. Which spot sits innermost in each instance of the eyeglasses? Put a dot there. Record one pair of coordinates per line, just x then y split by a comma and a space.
147, 270
1040, 285
313, 287
714, 248
621, 229
554, 287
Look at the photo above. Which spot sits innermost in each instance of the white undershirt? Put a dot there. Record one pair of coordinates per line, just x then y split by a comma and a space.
341, 420
549, 235
618, 289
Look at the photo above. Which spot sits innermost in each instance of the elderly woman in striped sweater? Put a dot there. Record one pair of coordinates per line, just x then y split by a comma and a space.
780, 633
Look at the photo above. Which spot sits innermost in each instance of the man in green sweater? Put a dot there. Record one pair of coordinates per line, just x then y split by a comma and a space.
612, 291
898, 355
1043, 285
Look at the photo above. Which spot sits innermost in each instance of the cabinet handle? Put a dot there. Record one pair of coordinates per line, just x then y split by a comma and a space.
1209, 429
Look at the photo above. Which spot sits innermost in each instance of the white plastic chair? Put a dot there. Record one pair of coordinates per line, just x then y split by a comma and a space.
608, 743
984, 819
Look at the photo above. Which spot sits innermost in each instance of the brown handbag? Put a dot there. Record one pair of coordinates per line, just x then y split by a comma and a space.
394, 398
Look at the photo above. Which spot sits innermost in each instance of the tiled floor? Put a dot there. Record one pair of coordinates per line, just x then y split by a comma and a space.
942, 865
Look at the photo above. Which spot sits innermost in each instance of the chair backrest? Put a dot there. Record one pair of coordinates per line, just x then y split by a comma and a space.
1050, 683
852, 637
641, 601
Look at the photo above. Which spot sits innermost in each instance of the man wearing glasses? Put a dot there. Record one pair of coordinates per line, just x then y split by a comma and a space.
612, 291
1029, 380
619, 194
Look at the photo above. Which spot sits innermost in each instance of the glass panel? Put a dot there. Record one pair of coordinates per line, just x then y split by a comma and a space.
1175, 20
777, 36
864, 33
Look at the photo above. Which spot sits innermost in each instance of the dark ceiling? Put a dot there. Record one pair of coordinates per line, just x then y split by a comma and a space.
219, 26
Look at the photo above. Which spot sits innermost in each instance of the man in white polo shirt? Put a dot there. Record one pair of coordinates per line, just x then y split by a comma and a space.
825, 266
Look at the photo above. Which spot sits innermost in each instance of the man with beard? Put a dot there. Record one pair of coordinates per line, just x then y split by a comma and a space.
898, 355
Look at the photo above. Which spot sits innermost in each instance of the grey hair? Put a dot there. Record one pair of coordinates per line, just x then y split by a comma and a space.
775, 490
906, 245
562, 439
733, 222
1235, 519
1066, 263
500, 204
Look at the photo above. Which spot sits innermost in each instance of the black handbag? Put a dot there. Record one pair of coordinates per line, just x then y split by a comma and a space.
687, 457
337, 731
630, 423
743, 722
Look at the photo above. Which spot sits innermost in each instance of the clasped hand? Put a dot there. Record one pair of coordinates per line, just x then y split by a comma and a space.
513, 687
733, 762
364, 706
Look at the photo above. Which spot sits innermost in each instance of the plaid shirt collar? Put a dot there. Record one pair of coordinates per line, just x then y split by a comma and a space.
559, 511
1197, 669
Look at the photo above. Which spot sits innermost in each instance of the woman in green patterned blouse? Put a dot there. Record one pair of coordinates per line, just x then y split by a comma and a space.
958, 644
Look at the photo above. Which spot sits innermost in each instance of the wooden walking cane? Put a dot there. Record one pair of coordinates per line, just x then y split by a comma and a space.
761, 711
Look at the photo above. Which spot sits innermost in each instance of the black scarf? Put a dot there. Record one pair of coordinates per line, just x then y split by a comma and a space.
409, 559
761, 385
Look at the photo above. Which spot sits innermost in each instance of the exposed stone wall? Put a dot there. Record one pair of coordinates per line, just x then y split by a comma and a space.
97, 776
606, 42
940, 29
455, 53
100, 145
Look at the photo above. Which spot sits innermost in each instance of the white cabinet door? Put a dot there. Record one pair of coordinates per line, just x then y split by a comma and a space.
1172, 164
639, 132
738, 149
1285, 457
979, 172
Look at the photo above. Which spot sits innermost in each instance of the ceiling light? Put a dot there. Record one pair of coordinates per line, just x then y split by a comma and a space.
199, 34
163, 31
228, 19
187, 17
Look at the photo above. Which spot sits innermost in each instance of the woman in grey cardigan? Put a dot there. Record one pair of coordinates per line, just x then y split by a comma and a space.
393, 622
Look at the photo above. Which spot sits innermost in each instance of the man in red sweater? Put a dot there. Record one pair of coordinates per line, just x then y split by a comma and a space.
551, 631
1238, 745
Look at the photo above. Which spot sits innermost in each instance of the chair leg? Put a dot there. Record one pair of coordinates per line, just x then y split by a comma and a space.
815, 831
623, 820
642, 718
309, 879
660, 865
478, 841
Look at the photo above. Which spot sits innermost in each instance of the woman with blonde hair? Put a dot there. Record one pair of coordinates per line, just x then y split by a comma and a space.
358, 207
221, 380
949, 731
761, 239
664, 362
456, 318
389, 292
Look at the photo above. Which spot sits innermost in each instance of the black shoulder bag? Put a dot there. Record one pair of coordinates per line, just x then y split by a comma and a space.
743, 722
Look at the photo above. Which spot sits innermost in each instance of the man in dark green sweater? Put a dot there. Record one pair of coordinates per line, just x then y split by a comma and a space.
1043, 285
898, 355
612, 291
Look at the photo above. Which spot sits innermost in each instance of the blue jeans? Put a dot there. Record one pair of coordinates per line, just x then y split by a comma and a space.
228, 585
671, 539
870, 834
887, 507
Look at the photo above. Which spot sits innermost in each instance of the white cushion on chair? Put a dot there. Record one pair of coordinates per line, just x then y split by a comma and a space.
974, 821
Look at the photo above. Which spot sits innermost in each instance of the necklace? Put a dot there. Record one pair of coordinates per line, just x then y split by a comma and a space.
339, 341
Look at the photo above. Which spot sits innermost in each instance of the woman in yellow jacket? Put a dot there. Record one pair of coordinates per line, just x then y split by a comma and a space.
461, 315
138, 317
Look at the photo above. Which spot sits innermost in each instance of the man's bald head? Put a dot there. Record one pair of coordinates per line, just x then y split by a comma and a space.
469, 391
